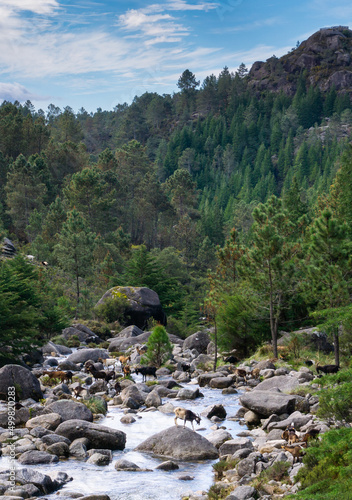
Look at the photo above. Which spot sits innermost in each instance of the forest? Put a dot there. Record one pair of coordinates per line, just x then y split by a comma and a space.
233, 204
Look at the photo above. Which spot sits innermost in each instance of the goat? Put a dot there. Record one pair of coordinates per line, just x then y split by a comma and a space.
96, 373
108, 362
185, 415
255, 372
60, 375
240, 373
312, 434
146, 370
78, 391
124, 359
290, 435
327, 368
231, 359
141, 350
296, 452
126, 370
117, 387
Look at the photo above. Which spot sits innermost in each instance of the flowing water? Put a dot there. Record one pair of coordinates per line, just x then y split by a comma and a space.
158, 484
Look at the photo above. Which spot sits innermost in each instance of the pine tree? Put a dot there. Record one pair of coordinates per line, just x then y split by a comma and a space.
159, 347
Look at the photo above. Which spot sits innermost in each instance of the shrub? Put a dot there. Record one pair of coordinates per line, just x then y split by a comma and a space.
277, 472
159, 347
96, 405
112, 309
327, 474
336, 402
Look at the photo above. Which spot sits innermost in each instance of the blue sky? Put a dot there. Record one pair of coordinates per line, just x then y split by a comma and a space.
95, 54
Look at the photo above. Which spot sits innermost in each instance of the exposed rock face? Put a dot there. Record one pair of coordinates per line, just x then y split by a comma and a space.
8, 249
179, 443
98, 436
326, 55
265, 403
83, 333
26, 384
142, 304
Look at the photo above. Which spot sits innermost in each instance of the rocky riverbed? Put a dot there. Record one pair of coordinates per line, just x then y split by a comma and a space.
135, 451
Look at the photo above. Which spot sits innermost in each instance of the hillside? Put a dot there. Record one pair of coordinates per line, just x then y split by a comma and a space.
325, 57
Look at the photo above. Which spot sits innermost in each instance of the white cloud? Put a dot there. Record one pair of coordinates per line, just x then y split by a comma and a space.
35, 6
182, 5
16, 91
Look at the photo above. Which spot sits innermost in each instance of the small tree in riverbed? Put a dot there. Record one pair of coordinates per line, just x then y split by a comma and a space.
159, 347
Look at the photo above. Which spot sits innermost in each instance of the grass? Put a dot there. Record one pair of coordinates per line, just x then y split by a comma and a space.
222, 466
95, 405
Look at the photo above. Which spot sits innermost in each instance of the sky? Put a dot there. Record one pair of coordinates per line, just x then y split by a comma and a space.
98, 54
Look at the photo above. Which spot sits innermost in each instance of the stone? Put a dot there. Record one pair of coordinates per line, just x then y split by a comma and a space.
265, 403
179, 443
214, 410
60, 449
50, 439
251, 418
153, 399
129, 331
218, 437
242, 493
26, 384
141, 305
98, 459
78, 448
230, 447
127, 419
205, 378
42, 481
69, 410
168, 465
186, 393
99, 436
220, 382
199, 341
50, 347
48, 421
126, 465
83, 355
35, 457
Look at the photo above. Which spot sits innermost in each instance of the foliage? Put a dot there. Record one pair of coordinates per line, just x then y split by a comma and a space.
159, 347
25, 309
336, 398
111, 309
95, 404
277, 472
327, 473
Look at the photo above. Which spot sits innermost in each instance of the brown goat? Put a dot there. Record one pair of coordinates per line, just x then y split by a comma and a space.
312, 434
296, 452
124, 359
141, 350
60, 375
126, 370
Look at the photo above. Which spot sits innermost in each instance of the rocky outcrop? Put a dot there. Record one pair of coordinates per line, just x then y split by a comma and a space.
83, 333
198, 341
98, 436
8, 248
22, 379
83, 355
141, 304
179, 443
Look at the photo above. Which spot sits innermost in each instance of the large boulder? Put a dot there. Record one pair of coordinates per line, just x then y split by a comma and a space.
198, 341
82, 355
265, 403
141, 304
69, 410
58, 349
129, 331
25, 383
99, 436
8, 248
35, 457
48, 421
83, 333
179, 443
282, 382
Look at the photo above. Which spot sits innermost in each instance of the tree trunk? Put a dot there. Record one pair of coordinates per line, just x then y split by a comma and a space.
216, 345
337, 346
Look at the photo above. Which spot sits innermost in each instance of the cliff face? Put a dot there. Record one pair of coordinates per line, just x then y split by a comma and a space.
326, 57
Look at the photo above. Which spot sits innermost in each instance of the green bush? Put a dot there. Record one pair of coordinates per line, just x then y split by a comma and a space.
327, 474
336, 402
96, 405
159, 347
112, 309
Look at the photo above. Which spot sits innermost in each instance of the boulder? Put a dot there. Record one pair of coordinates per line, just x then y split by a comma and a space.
41, 481
50, 439
50, 347
242, 493
8, 248
168, 465
35, 457
220, 382
198, 340
59, 449
69, 410
48, 421
296, 418
141, 304
186, 393
82, 355
231, 446
124, 464
203, 362
25, 383
218, 437
153, 399
99, 436
83, 333
98, 459
179, 443
205, 378
214, 411
129, 331
265, 403
282, 382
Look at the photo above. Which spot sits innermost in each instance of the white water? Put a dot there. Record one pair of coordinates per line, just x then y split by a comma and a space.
157, 485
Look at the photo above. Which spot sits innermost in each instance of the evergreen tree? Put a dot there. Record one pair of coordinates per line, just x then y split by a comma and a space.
74, 250
159, 347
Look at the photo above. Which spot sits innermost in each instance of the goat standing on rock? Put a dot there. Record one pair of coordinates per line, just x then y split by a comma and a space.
185, 415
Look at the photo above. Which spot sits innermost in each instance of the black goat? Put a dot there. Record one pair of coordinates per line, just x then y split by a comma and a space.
327, 368
146, 370
185, 415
